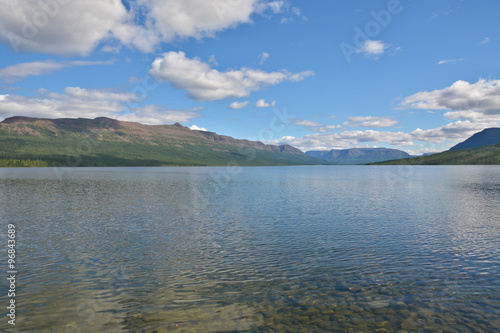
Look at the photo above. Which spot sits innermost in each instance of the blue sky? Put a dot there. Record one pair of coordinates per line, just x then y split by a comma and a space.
415, 75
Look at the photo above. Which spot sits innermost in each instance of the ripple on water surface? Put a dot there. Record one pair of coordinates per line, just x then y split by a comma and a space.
312, 249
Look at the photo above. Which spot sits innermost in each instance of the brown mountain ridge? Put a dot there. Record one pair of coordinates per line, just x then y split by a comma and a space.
108, 142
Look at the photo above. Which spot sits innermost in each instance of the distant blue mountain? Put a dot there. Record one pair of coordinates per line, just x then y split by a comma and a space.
489, 136
358, 155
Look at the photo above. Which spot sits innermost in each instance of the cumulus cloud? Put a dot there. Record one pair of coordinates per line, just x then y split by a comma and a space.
372, 48
91, 103
440, 138
455, 115
471, 108
482, 96
261, 103
203, 83
416, 141
37, 68
455, 131
238, 105
78, 27
66, 28
346, 139
371, 122
196, 128
171, 19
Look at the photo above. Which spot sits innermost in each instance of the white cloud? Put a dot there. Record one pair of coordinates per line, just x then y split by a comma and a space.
486, 40
293, 12
195, 18
447, 61
346, 139
307, 123
261, 103
212, 61
157, 115
315, 126
470, 114
263, 57
371, 122
473, 107
203, 83
372, 48
238, 105
275, 7
78, 27
327, 128
417, 141
482, 96
439, 139
90, 103
73, 27
453, 132
196, 128
37, 68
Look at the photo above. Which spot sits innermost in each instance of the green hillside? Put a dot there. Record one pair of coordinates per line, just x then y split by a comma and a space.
481, 155
107, 142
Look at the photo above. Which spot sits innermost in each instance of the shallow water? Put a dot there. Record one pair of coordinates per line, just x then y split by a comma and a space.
257, 249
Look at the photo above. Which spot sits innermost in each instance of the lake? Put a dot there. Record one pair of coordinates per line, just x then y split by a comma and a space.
254, 249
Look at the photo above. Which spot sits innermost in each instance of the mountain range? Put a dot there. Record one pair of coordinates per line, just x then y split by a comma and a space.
358, 155
103, 141
489, 136
108, 142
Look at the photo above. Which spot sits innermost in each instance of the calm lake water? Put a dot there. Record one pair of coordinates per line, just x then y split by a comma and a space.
254, 249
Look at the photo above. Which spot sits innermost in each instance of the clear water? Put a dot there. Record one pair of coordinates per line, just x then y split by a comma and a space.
257, 249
